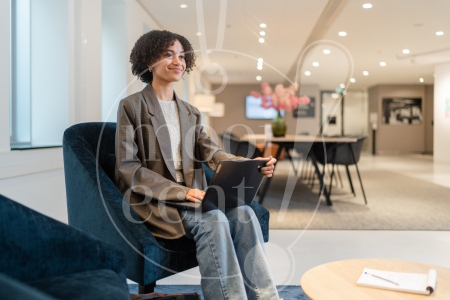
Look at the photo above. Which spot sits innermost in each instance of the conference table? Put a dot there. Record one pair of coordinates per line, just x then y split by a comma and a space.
302, 144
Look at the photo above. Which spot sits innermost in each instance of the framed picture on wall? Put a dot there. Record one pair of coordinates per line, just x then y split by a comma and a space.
402, 111
305, 110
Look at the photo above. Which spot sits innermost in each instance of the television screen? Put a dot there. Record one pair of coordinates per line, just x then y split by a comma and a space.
253, 109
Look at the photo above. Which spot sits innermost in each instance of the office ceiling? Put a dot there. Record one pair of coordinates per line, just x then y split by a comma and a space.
299, 30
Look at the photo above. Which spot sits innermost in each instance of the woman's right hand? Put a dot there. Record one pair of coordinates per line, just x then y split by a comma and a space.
195, 195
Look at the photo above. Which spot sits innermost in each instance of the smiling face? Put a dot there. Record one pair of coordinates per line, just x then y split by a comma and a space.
171, 66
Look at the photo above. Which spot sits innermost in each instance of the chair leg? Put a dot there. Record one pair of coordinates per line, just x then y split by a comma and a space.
322, 183
360, 181
350, 181
310, 173
339, 176
357, 172
147, 289
331, 179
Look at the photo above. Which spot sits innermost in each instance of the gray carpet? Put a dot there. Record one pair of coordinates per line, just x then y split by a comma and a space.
287, 292
395, 202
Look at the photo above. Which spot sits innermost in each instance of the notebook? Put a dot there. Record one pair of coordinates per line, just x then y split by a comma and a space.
234, 183
423, 284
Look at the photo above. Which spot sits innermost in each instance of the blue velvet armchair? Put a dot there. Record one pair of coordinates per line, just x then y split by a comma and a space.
96, 206
42, 258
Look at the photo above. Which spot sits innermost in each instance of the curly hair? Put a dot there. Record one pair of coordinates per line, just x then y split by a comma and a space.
149, 48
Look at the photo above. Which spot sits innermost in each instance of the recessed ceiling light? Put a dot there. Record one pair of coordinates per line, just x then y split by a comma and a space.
259, 67
262, 25
315, 64
258, 78
353, 80
439, 33
307, 73
383, 64
326, 51
342, 85
262, 33
261, 40
342, 33
367, 5
365, 73
421, 79
183, 5
405, 51
199, 33
260, 59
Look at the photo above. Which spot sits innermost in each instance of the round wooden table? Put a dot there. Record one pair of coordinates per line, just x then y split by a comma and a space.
337, 280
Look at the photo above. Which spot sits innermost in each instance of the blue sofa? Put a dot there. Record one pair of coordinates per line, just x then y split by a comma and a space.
42, 258
96, 206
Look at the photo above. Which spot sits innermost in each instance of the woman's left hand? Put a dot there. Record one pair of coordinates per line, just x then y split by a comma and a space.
267, 170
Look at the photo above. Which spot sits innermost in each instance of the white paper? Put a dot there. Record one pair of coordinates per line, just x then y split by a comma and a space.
403, 282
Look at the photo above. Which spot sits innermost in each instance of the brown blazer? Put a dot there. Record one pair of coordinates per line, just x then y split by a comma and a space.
145, 172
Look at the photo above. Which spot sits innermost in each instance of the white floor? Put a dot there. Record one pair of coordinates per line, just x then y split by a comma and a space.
291, 253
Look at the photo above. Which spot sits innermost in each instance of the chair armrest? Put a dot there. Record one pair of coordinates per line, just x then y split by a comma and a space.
19, 290
39, 247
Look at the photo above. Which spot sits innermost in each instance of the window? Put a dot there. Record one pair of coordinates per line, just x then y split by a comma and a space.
39, 73
114, 57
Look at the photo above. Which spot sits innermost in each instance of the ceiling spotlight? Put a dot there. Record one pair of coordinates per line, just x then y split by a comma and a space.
262, 33
439, 33
352, 80
365, 73
421, 79
183, 5
199, 33
307, 73
260, 59
367, 5
383, 64
261, 40
258, 78
405, 51
259, 67
326, 51
342, 86
315, 64
342, 33
262, 25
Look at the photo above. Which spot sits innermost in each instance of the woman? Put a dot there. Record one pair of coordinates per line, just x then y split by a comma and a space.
160, 147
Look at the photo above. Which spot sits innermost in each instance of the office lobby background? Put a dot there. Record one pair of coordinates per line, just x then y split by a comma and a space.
79, 69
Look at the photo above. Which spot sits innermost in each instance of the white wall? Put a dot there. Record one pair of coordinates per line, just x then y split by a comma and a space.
138, 21
44, 192
441, 107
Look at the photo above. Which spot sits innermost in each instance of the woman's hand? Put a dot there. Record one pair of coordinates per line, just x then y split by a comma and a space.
195, 195
267, 170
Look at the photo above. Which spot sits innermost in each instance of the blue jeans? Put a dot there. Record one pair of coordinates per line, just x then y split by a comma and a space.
230, 254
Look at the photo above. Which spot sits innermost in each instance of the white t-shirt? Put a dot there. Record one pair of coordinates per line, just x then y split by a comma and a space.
172, 117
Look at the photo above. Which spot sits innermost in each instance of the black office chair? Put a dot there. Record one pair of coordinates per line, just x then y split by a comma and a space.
233, 145
345, 154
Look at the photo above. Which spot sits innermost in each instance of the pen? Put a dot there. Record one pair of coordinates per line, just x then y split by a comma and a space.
381, 278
